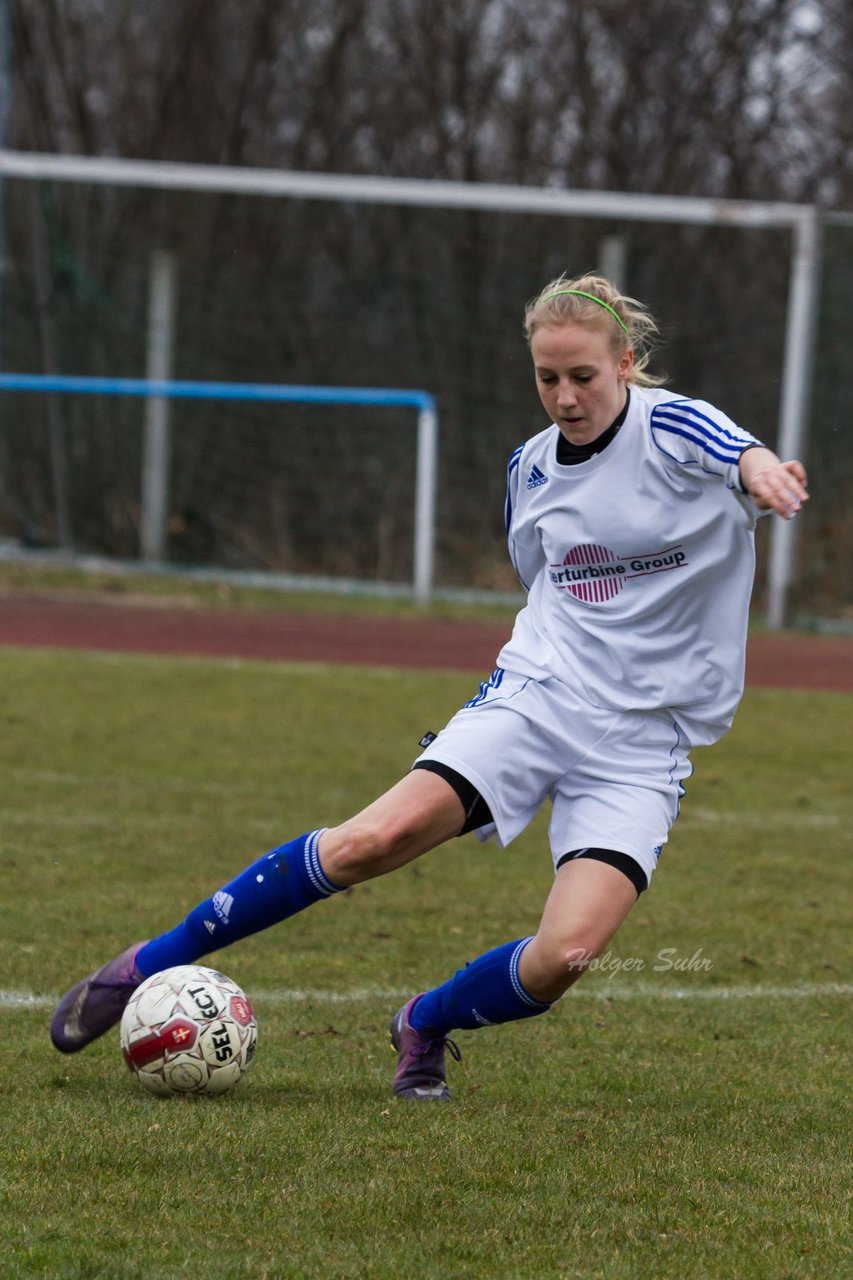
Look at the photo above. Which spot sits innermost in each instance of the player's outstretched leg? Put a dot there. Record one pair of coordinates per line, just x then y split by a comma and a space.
418, 813
276, 886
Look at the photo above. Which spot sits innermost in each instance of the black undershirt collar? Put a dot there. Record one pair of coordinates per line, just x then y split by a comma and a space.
568, 454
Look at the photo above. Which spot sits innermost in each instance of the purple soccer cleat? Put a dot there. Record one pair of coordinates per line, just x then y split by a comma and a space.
94, 1005
420, 1068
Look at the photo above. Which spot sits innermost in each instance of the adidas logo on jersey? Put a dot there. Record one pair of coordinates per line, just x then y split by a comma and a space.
536, 478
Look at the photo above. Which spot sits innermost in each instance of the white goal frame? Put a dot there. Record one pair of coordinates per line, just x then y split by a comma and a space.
803, 221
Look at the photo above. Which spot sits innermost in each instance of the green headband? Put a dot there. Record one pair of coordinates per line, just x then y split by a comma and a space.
581, 293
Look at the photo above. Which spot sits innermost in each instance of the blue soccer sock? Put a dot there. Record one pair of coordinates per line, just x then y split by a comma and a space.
486, 992
274, 887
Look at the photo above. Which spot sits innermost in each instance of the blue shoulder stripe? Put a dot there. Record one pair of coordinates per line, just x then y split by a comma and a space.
512, 466
732, 441
728, 458
677, 423
681, 408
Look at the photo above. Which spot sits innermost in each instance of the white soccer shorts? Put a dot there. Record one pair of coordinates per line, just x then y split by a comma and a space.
613, 777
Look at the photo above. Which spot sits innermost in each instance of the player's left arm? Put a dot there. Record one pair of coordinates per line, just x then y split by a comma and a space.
772, 484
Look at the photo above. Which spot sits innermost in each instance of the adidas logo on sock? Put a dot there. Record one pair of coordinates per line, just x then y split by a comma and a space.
210, 926
222, 904
536, 478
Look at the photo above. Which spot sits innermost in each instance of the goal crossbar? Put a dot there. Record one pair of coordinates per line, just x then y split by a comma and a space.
505, 197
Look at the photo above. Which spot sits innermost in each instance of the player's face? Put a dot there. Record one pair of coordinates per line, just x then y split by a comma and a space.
580, 382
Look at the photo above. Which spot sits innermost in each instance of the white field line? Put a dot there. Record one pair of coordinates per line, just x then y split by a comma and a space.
124, 783
168, 823
101, 821
12, 1000
755, 818
131, 782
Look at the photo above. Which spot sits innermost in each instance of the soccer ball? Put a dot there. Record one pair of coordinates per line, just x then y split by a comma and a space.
188, 1030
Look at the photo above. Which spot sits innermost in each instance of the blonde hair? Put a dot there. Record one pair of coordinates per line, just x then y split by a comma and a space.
592, 300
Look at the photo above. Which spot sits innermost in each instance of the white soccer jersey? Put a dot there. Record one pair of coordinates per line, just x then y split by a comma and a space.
638, 564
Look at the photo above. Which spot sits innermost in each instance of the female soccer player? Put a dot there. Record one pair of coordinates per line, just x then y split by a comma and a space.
630, 522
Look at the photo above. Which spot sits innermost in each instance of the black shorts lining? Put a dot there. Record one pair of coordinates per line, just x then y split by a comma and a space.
477, 812
623, 862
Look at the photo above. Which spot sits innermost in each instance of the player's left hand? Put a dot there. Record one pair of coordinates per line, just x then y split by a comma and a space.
779, 487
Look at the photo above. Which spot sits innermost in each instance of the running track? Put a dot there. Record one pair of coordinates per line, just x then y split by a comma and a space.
788, 660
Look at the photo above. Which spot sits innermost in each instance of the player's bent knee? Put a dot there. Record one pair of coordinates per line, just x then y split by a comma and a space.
359, 850
349, 854
575, 960
552, 967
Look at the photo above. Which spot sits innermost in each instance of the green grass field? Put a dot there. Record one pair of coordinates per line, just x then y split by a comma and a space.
670, 1119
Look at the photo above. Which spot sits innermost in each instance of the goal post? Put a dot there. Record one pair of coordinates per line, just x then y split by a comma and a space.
426, 464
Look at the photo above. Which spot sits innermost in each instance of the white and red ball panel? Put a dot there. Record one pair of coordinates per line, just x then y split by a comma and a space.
188, 1030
